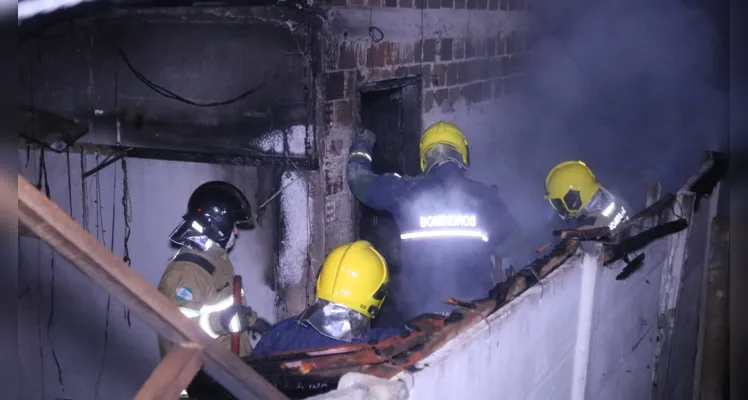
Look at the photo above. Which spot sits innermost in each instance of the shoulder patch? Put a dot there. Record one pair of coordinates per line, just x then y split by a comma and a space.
184, 294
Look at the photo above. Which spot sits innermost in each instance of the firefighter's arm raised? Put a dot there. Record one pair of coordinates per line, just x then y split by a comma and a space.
376, 191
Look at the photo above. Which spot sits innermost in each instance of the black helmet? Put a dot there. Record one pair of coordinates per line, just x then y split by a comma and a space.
214, 208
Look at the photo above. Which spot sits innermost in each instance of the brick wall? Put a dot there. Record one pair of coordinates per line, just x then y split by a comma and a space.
465, 51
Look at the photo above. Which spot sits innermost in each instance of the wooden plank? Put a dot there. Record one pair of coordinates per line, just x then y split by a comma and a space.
173, 374
54, 226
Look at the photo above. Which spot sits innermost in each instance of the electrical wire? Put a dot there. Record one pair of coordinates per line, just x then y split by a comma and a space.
375, 33
126, 207
109, 297
171, 95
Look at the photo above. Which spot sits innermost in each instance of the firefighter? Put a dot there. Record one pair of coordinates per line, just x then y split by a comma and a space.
199, 278
449, 225
351, 287
577, 196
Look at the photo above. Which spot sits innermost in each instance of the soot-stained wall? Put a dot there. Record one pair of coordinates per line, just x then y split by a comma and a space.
228, 79
469, 55
74, 343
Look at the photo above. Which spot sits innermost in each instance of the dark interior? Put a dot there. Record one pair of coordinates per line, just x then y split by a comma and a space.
391, 110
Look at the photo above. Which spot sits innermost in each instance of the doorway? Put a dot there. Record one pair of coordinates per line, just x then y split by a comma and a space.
392, 110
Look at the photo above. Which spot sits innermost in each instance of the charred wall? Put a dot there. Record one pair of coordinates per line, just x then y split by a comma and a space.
468, 55
223, 81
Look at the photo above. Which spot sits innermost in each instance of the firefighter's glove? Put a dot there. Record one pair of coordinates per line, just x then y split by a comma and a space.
261, 326
367, 136
237, 318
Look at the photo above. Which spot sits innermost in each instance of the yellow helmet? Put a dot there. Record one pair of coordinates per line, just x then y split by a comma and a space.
354, 275
443, 133
569, 187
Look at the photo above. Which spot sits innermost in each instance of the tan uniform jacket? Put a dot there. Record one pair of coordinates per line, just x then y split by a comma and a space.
191, 287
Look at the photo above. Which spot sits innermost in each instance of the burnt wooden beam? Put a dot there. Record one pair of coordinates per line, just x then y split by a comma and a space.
105, 268
172, 374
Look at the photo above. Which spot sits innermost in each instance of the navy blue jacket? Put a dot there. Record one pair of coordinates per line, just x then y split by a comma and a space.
289, 335
440, 257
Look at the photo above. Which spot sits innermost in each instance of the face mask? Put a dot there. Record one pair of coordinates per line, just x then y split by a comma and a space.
231, 241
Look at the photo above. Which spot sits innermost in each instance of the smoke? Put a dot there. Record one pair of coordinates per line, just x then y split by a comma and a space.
626, 86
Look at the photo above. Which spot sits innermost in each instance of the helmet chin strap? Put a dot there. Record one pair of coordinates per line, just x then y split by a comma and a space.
230, 243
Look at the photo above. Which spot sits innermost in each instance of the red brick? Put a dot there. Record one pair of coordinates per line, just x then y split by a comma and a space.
493, 4
482, 4
420, 4
496, 68
480, 48
429, 50
334, 86
490, 47
357, 2
476, 69
376, 55
504, 5
485, 69
414, 70
439, 75
440, 96
452, 74
472, 4
401, 71
463, 72
406, 3
469, 48
513, 43
454, 95
472, 92
390, 53
459, 49
447, 4
339, 3
507, 65
342, 113
347, 57
434, 3
375, 3
418, 52
487, 90
390, 3
426, 75
445, 49
428, 101
460, 4
405, 55
501, 45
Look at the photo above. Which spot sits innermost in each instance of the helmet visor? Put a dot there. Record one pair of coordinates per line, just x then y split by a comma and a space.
335, 321
191, 234
442, 153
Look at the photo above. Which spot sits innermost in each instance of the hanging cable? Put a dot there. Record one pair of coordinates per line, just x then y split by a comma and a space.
43, 177
126, 207
109, 297
171, 95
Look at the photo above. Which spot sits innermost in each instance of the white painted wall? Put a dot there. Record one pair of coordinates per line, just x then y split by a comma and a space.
542, 345
159, 191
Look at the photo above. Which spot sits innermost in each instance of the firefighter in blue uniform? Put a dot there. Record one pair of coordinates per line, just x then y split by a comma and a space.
351, 287
449, 225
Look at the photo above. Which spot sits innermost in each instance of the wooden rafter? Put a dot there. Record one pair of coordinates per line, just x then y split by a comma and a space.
51, 224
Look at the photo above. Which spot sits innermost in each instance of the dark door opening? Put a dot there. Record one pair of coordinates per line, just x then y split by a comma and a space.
392, 110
